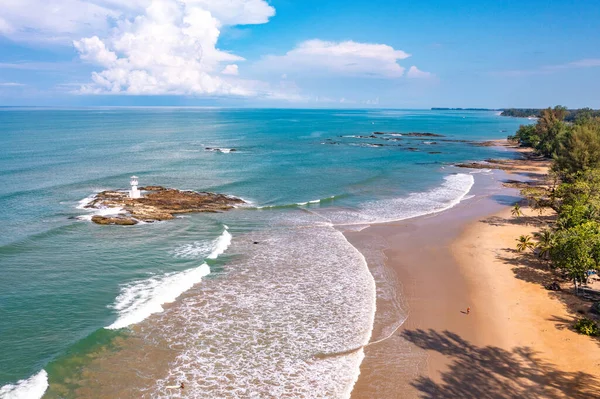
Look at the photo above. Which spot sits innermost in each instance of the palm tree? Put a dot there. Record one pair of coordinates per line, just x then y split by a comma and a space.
524, 242
545, 243
516, 211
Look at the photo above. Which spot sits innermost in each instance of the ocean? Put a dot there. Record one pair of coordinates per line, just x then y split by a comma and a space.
266, 300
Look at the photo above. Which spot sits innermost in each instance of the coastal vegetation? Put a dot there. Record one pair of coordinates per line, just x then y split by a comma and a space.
572, 114
571, 244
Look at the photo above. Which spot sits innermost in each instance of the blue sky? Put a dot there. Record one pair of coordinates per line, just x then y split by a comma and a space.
284, 53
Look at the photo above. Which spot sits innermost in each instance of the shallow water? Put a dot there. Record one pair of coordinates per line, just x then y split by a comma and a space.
205, 304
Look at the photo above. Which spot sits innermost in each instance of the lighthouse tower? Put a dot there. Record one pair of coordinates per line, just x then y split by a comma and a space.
134, 192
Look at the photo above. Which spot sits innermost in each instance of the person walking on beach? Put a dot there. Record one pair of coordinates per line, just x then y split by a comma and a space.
468, 310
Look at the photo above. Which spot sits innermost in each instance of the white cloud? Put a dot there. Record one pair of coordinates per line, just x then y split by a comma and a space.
347, 58
11, 84
59, 20
94, 50
231, 69
416, 73
65, 20
171, 48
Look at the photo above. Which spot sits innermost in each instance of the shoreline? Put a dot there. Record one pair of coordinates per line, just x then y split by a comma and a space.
465, 259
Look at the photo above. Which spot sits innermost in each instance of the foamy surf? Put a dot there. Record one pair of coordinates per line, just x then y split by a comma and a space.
449, 194
31, 388
82, 204
140, 299
221, 150
309, 202
256, 333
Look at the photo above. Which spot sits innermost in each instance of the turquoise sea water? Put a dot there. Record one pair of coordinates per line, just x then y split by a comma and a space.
68, 286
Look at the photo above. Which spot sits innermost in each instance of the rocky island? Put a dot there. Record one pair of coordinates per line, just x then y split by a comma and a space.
158, 203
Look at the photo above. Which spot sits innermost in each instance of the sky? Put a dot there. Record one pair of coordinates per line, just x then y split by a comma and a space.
300, 53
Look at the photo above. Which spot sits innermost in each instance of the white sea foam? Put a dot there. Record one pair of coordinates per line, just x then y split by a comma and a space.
309, 202
478, 171
447, 195
84, 202
222, 150
31, 388
140, 299
103, 211
300, 293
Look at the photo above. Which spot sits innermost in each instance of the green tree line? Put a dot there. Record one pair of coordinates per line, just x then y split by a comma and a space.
571, 116
572, 244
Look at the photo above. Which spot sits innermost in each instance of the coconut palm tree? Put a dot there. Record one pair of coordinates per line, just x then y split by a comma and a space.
524, 242
545, 243
516, 211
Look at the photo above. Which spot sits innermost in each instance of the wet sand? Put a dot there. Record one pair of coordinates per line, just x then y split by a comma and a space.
516, 342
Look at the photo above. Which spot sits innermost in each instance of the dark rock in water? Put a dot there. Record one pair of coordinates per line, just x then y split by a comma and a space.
121, 221
595, 308
414, 134
434, 152
484, 143
412, 149
222, 150
417, 134
553, 286
160, 204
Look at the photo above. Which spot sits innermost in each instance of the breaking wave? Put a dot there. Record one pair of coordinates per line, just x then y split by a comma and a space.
31, 388
140, 299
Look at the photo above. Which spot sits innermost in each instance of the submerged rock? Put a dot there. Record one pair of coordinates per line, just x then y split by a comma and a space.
414, 134
159, 203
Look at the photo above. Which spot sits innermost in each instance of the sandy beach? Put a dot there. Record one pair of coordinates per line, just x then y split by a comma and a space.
517, 340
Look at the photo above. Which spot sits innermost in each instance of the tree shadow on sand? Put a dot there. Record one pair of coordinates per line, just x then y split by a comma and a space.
491, 372
534, 221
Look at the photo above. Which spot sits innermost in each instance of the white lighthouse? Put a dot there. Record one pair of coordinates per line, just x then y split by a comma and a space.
134, 192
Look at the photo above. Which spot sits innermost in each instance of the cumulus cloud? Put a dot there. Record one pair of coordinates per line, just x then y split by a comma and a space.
60, 20
67, 20
171, 48
346, 58
416, 73
231, 69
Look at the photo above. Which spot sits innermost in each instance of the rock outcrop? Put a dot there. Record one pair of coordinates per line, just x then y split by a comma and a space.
413, 134
158, 203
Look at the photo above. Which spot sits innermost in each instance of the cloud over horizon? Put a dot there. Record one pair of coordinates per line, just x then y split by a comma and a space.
170, 47
346, 58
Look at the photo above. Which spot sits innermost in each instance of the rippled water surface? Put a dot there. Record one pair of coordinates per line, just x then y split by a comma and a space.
267, 300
